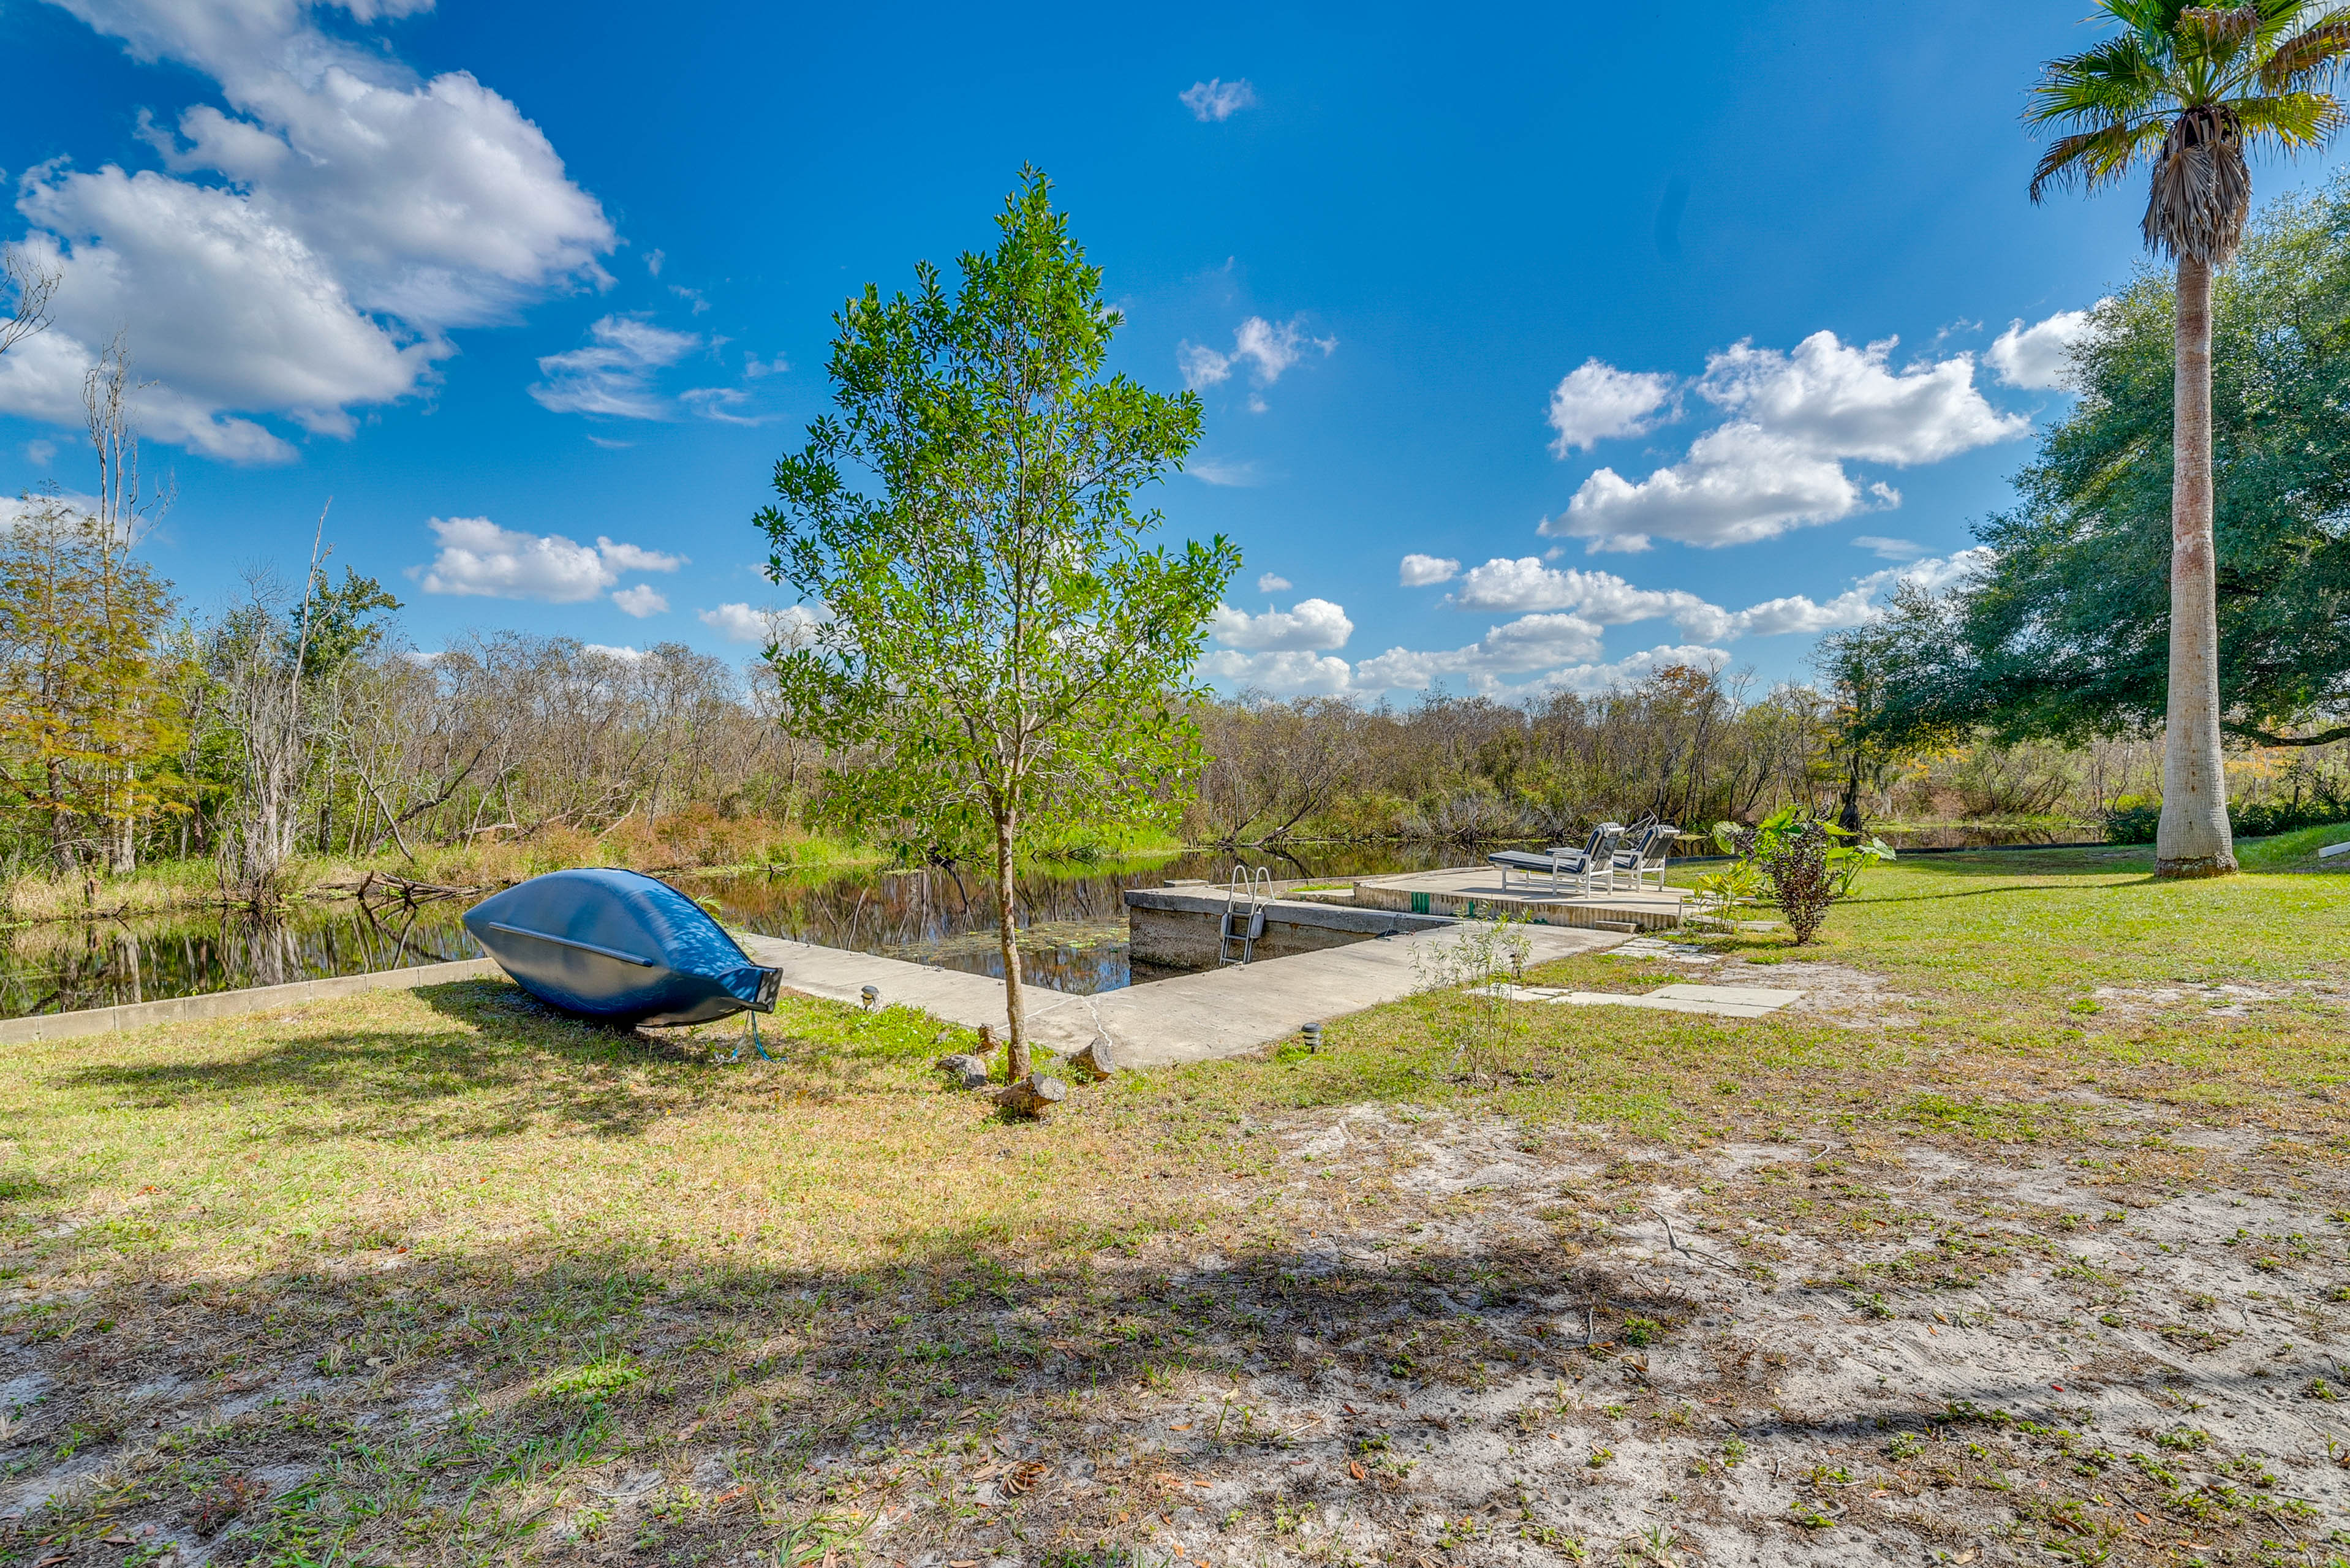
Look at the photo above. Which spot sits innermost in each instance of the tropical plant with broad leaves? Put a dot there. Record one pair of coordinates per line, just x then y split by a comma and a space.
2183, 91
1809, 863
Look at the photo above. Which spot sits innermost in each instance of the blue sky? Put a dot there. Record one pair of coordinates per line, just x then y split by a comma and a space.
1536, 347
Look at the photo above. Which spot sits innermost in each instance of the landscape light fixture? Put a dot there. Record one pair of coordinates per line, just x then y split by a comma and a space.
1313, 1033
872, 996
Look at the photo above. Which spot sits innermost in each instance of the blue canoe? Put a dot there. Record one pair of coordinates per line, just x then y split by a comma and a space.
621, 947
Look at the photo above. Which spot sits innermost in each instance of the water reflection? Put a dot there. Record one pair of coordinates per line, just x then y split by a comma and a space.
1072, 939
65, 966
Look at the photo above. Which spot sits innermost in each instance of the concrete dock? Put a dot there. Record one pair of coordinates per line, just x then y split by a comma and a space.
1191, 1018
1475, 892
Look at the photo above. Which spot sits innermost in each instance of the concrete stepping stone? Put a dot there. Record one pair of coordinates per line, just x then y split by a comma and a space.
1653, 947
1720, 1001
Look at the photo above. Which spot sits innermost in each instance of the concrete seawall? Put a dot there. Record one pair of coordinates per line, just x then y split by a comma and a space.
1180, 929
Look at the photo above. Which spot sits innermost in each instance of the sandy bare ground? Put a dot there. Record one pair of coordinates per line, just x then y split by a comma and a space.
2065, 1327
1480, 1347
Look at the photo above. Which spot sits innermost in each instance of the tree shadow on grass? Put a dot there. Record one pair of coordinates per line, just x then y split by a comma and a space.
505, 1062
958, 1402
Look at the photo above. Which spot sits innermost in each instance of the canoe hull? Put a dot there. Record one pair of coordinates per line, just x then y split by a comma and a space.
621, 948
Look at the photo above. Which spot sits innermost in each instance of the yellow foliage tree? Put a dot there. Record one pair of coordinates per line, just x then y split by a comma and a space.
88, 698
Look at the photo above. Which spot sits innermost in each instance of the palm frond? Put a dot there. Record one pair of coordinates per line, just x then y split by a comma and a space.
2218, 34
2096, 158
2157, 16
2295, 121
2311, 57
2112, 81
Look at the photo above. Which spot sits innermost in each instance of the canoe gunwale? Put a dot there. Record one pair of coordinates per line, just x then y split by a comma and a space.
572, 942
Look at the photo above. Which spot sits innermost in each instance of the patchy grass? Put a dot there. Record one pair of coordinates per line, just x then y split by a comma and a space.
2037, 1175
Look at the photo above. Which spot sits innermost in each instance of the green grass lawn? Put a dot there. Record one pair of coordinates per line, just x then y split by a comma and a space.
429, 1277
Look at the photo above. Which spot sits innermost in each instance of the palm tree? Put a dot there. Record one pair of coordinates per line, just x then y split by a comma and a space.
2184, 90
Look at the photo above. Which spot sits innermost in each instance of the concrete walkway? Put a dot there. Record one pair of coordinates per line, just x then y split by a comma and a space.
229, 1003
1191, 1018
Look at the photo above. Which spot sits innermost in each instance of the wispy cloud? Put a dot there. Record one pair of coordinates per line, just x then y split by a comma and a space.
613, 375
478, 559
1216, 100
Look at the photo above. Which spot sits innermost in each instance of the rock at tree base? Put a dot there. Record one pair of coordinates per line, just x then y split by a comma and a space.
1099, 1060
1033, 1096
964, 1072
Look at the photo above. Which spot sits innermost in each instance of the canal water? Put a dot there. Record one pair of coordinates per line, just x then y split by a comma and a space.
1073, 936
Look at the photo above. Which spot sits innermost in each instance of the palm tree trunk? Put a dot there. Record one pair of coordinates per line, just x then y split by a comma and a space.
1008, 931
2193, 839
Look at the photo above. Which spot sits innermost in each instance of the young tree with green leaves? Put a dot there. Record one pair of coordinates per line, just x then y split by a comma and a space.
994, 635
2183, 89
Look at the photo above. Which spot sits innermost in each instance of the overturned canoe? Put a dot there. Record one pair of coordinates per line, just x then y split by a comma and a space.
621, 947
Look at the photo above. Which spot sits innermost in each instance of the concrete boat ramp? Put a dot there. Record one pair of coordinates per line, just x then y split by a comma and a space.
1189, 1018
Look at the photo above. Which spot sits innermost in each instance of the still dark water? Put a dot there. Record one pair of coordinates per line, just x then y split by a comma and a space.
1074, 925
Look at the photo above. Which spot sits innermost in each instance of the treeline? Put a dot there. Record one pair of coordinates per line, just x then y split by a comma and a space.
291, 724
1685, 745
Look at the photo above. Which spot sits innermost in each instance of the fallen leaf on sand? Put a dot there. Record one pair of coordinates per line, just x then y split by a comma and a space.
1355, 1468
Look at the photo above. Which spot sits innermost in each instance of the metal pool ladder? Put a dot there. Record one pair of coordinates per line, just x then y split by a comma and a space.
1245, 897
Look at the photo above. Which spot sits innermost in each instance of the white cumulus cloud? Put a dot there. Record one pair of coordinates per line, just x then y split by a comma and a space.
1272, 582
1837, 401
612, 376
1526, 584
641, 601
2040, 357
309, 240
1739, 483
1287, 673
1531, 642
1218, 100
1795, 421
1311, 624
1935, 575
1595, 401
1420, 571
789, 626
478, 559
1606, 600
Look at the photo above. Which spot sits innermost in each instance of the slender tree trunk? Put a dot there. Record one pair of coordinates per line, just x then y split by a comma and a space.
2192, 839
1015, 1012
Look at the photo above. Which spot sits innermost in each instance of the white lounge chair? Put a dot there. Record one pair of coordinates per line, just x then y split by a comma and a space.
1643, 858
1593, 860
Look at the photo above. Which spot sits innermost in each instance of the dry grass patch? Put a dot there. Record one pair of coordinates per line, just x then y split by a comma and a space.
1956, 1265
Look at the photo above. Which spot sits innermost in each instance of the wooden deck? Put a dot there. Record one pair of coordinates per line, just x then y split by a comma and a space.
1475, 892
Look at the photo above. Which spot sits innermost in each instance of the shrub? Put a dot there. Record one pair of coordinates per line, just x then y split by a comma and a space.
2133, 818
1810, 864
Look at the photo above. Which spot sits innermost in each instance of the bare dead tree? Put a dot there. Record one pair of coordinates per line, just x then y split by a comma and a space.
34, 285
264, 702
